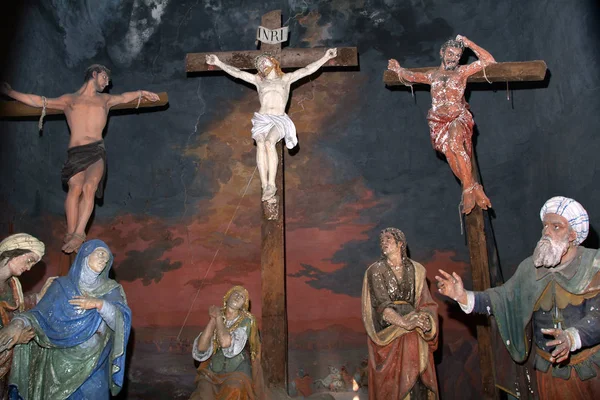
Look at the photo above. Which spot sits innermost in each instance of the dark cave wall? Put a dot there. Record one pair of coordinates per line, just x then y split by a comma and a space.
177, 177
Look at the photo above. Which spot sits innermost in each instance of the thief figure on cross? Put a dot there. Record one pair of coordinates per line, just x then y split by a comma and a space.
271, 123
84, 170
450, 122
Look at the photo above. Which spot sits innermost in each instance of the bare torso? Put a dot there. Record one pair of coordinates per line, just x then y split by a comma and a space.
86, 116
448, 92
273, 95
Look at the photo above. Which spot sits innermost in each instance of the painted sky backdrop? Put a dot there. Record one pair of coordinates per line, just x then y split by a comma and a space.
181, 208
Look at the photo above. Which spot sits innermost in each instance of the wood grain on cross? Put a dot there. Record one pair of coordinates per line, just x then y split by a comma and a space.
476, 237
522, 71
16, 109
274, 319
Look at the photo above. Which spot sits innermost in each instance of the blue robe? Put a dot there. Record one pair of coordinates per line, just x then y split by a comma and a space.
66, 360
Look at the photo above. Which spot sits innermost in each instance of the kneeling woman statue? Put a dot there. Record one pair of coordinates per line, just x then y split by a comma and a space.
229, 352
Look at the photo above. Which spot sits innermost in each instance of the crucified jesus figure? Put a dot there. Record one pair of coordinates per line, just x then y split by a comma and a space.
271, 124
84, 171
450, 122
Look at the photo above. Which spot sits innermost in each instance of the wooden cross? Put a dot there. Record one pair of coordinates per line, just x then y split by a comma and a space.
498, 72
16, 109
476, 237
274, 319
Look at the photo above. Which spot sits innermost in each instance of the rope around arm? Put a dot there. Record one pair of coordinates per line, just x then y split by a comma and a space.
41, 121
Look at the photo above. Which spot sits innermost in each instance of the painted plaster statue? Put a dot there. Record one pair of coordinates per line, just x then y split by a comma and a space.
18, 253
450, 121
401, 320
229, 352
84, 171
271, 124
81, 328
557, 293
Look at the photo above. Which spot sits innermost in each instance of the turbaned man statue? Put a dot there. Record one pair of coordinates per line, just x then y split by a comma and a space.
557, 293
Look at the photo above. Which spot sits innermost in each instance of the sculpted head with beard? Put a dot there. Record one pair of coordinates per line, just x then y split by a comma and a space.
565, 226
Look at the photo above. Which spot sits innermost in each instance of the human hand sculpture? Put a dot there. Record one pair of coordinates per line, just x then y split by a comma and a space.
452, 286
212, 59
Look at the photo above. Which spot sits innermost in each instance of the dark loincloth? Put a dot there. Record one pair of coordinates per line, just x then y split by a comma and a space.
79, 158
439, 126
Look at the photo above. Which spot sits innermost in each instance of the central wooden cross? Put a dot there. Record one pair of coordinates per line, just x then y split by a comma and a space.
274, 319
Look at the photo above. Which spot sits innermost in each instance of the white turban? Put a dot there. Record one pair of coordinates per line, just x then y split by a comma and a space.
23, 241
572, 211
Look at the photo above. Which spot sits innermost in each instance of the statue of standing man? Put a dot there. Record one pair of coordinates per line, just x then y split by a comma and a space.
450, 122
271, 123
401, 320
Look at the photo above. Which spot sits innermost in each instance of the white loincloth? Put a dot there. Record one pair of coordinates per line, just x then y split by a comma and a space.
262, 124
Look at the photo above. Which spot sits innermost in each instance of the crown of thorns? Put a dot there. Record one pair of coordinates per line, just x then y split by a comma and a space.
262, 55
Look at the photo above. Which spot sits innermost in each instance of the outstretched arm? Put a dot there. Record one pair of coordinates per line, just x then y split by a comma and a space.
311, 68
34, 100
212, 59
408, 76
484, 56
126, 97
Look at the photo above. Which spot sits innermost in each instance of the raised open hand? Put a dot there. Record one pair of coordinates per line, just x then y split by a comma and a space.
451, 286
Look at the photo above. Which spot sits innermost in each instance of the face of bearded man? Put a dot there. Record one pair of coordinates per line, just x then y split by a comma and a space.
555, 241
549, 251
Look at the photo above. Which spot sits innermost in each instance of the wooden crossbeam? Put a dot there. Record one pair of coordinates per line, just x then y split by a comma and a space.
519, 71
288, 58
15, 109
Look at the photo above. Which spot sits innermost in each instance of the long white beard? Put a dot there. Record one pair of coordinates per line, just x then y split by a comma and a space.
548, 252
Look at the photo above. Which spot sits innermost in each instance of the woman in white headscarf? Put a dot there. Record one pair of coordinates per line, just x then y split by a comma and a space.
18, 253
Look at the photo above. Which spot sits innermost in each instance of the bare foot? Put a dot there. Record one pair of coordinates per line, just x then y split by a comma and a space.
269, 192
74, 244
482, 200
67, 237
468, 201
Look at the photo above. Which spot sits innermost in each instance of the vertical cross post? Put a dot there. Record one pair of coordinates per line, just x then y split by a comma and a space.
272, 261
480, 272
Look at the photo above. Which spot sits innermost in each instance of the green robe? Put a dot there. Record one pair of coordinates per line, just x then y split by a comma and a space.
515, 302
